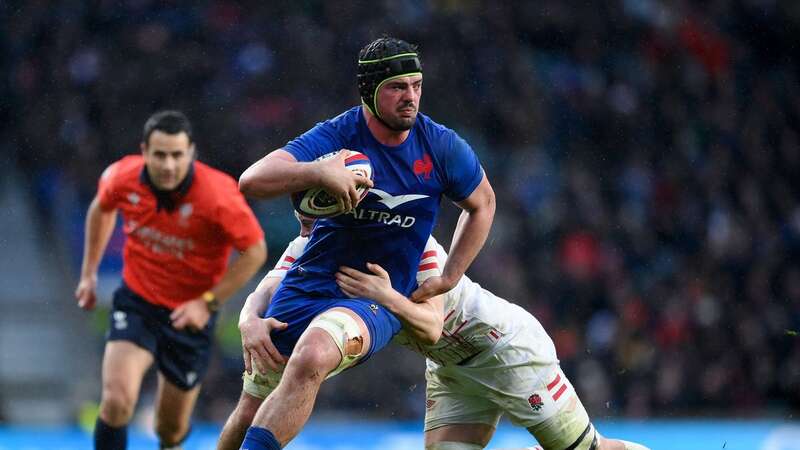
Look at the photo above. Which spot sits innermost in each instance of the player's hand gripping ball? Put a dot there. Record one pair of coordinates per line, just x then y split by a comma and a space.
318, 203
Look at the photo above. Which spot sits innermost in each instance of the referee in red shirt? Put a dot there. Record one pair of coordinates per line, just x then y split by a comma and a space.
181, 220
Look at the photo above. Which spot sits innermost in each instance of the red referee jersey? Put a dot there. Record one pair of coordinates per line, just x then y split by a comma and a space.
174, 256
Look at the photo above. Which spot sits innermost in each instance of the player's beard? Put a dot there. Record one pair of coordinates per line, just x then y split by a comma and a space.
398, 123
403, 124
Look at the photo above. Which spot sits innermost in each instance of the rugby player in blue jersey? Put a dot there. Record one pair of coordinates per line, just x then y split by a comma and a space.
493, 359
415, 161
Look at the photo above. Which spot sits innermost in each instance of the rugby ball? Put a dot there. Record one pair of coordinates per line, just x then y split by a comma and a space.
318, 203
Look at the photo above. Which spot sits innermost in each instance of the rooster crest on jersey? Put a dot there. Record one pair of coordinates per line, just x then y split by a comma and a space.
318, 203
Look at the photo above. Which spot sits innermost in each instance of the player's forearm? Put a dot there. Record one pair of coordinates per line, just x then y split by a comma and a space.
258, 300
423, 321
98, 228
278, 174
241, 271
254, 306
468, 239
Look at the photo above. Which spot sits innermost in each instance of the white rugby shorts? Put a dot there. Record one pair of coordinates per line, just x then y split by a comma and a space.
520, 380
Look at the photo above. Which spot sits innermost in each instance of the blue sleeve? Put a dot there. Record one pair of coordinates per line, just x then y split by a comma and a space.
463, 171
320, 140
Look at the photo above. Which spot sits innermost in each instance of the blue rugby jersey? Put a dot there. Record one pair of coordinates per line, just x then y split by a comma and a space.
391, 225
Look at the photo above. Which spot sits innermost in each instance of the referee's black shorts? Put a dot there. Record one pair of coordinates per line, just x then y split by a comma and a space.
181, 355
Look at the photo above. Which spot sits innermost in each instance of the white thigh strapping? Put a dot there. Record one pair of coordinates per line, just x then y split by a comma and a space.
342, 328
259, 384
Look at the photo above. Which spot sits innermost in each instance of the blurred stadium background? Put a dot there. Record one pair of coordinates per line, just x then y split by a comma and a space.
645, 154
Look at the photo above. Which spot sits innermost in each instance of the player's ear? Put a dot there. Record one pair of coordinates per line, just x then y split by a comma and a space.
192, 152
143, 147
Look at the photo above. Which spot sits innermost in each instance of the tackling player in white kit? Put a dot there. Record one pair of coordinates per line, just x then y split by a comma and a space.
493, 357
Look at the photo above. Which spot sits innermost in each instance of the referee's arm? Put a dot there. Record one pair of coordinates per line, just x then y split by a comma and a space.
99, 226
194, 314
245, 266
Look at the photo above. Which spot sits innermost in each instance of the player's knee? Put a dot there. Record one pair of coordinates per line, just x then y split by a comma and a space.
315, 358
116, 406
606, 444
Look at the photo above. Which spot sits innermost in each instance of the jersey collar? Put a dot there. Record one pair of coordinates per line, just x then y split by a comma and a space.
168, 199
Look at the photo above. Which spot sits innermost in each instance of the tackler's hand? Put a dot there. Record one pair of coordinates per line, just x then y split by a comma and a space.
432, 287
257, 346
359, 284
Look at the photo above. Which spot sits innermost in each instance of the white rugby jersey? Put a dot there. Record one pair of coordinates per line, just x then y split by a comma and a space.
292, 252
477, 323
